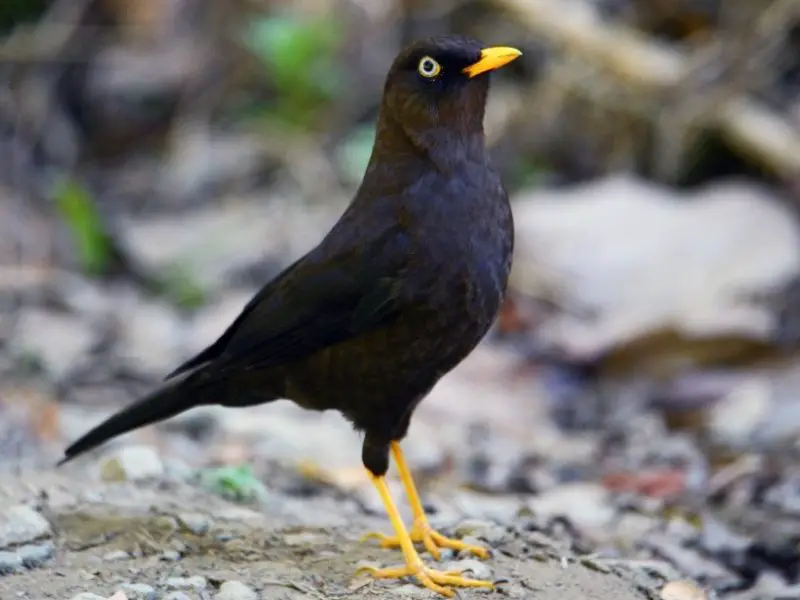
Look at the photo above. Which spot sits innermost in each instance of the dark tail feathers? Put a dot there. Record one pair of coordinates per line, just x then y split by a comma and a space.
167, 401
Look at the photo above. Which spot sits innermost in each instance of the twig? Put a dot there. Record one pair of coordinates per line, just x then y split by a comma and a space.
292, 585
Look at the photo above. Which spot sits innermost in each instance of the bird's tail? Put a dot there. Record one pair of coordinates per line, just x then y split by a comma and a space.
169, 400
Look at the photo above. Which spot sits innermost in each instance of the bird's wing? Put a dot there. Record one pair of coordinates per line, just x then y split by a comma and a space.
318, 301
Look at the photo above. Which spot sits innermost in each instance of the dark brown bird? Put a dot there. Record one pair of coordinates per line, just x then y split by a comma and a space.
402, 288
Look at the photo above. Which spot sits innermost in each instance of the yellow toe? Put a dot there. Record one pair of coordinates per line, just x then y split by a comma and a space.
432, 540
438, 581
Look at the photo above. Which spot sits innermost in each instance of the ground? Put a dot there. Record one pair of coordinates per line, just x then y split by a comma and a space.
109, 536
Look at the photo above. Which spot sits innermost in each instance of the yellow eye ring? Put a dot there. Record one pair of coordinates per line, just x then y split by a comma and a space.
428, 67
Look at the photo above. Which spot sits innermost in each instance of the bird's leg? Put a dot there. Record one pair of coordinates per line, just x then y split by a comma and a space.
430, 578
421, 530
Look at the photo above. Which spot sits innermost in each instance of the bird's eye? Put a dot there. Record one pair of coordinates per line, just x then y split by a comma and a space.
428, 67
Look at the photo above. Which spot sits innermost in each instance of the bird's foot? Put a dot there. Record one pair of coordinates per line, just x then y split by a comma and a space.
438, 581
430, 538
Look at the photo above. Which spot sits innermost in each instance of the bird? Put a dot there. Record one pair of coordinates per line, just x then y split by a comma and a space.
402, 288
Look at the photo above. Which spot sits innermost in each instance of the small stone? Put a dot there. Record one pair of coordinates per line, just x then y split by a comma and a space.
60, 341
485, 530
689, 561
303, 538
195, 582
170, 555
682, 590
469, 566
446, 554
594, 564
132, 463
21, 524
88, 596
587, 505
34, 555
138, 591
196, 523
235, 590
150, 335
409, 591
116, 555
176, 596
474, 527
10, 562
736, 416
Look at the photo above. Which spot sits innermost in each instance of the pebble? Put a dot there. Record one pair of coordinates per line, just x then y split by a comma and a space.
10, 562
474, 527
21, 524
132, 463
87, 596
409, 591
30, 556
170, 555
197, 523
176, 596
682, 590
33, 555
689, 561
235, 590
151, 335
594, 564
736, 416
60, 341
586, 505
303, 538
138, 591
195, 582
474, 568
116, 555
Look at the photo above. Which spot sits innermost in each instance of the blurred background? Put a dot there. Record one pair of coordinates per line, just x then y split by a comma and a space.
161, 159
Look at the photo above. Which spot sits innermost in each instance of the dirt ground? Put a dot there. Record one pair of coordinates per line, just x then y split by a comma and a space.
94, 525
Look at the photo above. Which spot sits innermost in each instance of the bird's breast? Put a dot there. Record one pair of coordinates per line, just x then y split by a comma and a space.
464, 257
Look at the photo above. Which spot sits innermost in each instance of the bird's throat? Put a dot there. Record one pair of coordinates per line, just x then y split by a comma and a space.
442, 147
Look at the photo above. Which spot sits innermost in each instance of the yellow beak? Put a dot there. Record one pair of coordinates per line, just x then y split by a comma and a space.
491, 59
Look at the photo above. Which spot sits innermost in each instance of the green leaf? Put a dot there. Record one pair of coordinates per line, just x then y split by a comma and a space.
77, 209
299, 55
237, 483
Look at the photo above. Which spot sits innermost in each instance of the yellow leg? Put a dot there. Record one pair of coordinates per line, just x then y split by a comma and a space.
430, 578
421, 531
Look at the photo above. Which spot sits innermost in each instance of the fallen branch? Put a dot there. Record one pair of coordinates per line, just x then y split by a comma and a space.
627, 58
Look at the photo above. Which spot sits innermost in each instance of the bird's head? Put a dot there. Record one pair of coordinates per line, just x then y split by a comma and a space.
436, 90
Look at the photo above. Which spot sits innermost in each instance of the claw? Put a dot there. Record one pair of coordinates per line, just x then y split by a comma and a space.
422, 532
429, 578
386, 541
